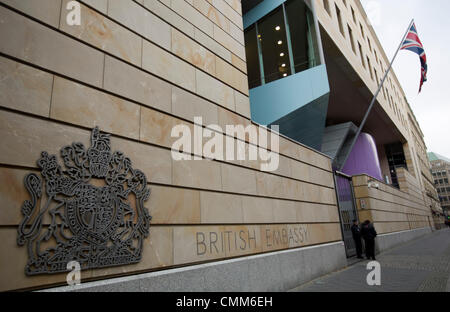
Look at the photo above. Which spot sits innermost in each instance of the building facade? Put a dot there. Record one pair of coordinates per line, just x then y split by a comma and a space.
344, 74
138, 69
440, 167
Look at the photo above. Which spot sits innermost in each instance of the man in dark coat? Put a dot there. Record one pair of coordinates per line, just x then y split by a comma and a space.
356, 232
368, 233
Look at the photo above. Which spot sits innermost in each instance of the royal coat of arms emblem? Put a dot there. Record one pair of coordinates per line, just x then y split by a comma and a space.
92, 211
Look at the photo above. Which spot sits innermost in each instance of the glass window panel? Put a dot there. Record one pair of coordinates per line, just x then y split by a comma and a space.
267, 43
274, 47
251, 50
303, 35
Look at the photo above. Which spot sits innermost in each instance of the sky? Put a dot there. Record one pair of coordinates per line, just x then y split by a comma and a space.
390, 19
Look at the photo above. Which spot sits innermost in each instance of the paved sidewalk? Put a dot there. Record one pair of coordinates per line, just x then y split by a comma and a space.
418, 266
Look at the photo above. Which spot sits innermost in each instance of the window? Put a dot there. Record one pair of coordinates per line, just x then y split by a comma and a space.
350, 35
353, 15
305, 52
282, 43
362, 30
345, 2
361, 54
370, 45
339, 18
273, 42
396, 159
326, 5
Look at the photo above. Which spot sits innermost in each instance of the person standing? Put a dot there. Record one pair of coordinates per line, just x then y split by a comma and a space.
356, 232
368, 233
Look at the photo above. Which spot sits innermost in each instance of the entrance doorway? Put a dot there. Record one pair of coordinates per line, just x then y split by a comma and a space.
347, 210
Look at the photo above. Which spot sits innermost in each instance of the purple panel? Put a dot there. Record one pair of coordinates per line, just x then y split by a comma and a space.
364, 158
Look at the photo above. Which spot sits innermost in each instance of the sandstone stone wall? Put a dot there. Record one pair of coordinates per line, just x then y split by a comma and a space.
136, 69
390, 209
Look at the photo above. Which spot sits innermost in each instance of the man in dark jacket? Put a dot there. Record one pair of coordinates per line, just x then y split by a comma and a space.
356, 232
368, 233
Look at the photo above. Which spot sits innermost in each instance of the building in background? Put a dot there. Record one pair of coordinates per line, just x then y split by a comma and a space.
440, 169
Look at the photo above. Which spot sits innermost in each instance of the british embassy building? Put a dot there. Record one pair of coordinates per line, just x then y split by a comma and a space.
91, 95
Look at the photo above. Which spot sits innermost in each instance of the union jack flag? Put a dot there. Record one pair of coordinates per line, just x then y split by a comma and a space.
413, 44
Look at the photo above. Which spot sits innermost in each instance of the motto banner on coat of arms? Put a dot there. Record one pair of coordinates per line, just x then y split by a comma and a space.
92, 210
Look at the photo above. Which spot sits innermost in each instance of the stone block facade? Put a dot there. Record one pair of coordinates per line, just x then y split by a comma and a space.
136, 69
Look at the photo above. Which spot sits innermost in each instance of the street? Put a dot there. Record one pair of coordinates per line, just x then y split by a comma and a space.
422, 265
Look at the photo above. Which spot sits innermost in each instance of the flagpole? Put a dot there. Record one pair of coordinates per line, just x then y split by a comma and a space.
374, 99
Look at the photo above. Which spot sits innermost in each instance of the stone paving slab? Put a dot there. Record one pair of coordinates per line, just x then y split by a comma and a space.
422, 265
